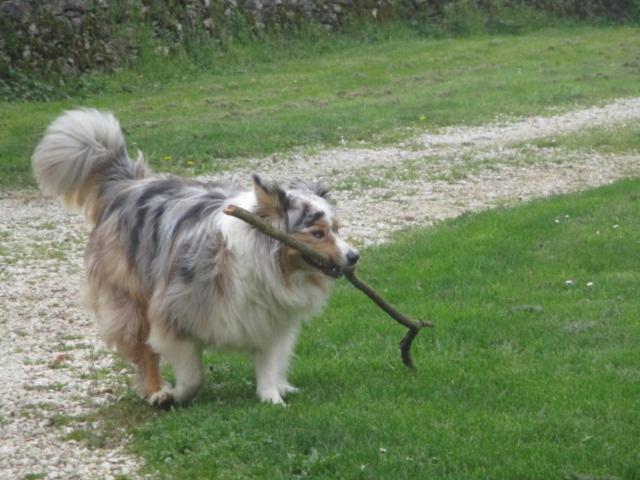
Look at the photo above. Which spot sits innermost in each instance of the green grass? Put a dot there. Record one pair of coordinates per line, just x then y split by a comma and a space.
524, 376
354, 91
624, 139
34, 476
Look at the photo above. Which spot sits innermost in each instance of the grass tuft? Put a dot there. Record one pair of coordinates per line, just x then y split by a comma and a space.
617, 140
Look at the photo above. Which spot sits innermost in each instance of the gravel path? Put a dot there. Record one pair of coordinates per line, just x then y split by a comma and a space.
56, 374
440, 175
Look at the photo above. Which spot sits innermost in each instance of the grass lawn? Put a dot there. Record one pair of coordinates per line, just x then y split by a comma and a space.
532, 372
193, 122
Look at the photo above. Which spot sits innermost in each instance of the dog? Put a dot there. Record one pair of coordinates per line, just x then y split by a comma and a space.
168, 273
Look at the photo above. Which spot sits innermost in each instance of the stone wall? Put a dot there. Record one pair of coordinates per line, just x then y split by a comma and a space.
58, 38
65, 37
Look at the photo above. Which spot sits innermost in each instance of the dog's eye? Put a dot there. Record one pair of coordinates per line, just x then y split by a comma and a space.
318, 234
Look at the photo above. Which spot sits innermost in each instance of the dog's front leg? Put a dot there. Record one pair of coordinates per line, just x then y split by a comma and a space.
185, 358
272, 365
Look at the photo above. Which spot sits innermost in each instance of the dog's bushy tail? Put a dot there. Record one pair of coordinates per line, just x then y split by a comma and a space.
82, 153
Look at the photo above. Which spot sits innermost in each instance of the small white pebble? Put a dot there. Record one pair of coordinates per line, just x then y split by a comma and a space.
589, 284
557, 220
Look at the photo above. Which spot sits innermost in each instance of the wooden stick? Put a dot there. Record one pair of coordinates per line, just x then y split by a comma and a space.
328, 267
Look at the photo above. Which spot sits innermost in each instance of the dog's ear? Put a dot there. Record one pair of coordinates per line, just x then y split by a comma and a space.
272, 200
317, 188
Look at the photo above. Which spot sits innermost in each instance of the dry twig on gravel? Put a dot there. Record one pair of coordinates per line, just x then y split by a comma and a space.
329, 268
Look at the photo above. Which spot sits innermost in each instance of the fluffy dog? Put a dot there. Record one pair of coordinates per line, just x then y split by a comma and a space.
168, 273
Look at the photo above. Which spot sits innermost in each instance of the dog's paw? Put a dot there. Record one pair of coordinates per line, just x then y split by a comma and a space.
287, 388
164, 398
271, 396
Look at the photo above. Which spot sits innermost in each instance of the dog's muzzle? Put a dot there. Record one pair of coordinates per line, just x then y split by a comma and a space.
333, 271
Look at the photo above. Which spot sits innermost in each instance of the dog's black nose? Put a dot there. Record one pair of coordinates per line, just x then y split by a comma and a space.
352, 257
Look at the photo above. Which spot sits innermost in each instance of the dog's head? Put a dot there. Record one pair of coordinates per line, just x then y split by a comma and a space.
304, 212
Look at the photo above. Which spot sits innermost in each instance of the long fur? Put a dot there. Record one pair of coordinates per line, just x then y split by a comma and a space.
169, 273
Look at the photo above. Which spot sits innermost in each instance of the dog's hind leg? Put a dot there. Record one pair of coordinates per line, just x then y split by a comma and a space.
147, 363
185, 357
123, 323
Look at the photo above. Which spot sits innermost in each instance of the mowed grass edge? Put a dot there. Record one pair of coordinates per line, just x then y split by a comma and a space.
374, 93
533, 370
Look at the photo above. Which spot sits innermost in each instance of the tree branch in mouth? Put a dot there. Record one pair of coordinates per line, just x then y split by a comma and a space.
322, 262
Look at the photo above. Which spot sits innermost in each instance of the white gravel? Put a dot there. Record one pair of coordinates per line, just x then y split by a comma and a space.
55, 374
49, 350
